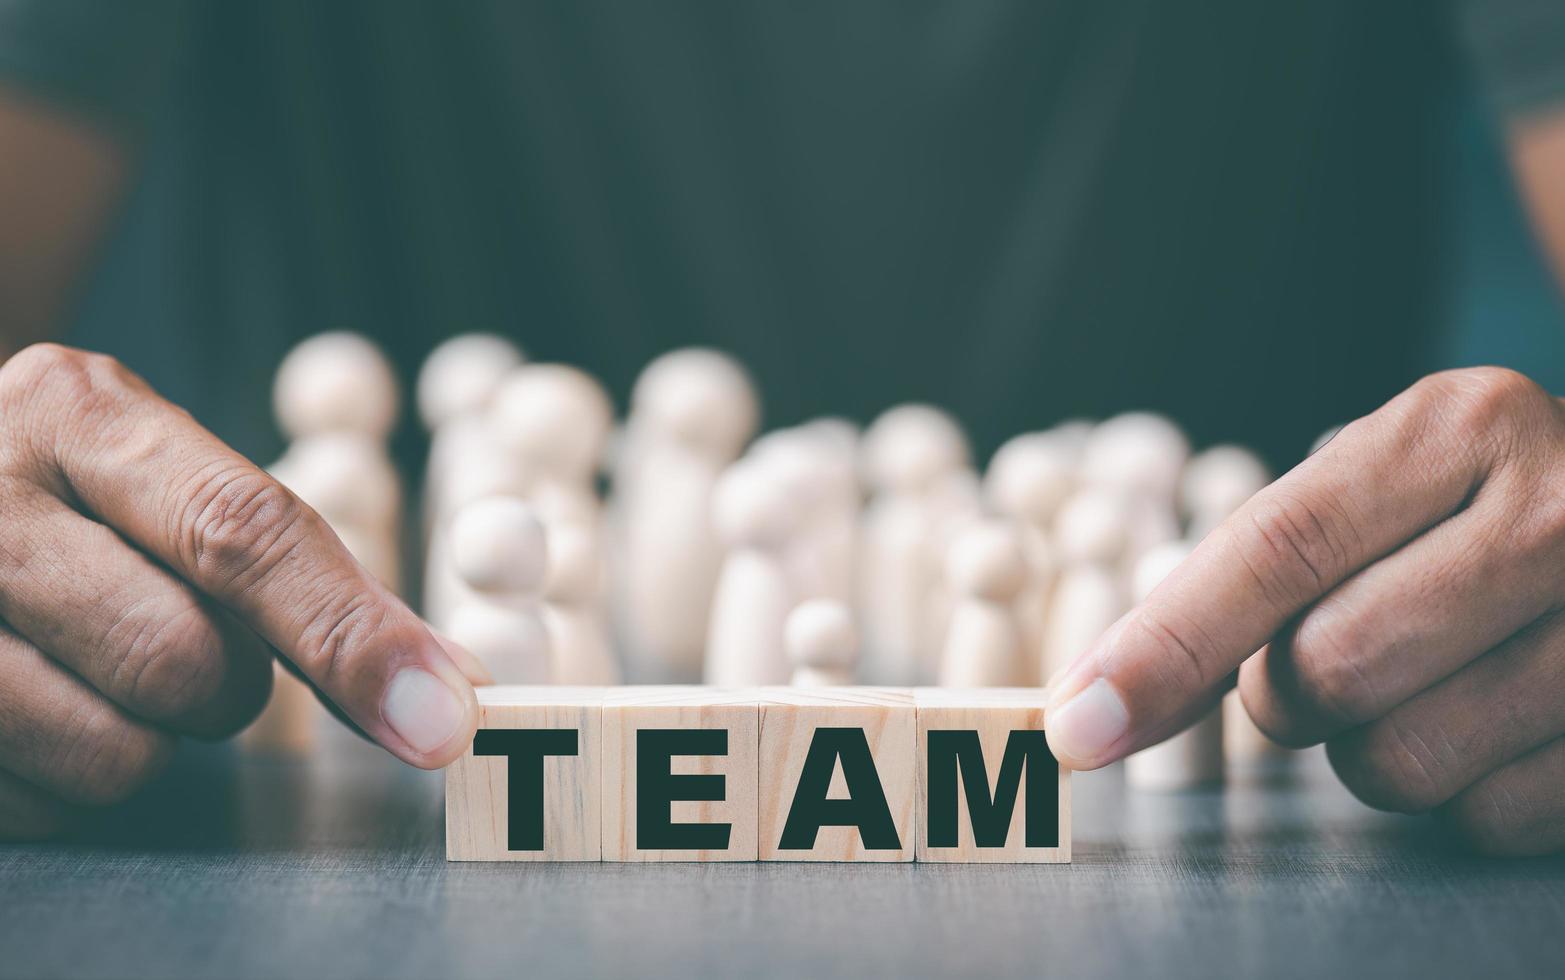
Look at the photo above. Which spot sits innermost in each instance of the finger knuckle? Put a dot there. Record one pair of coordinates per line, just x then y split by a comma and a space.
58, 373
103, 759
1275, 722
1478, 401
1183, 651
42, 372
1390, 766
1303, 544
46, 388
32, 368
1325, 659
237, 525
1258, 697
1266, 688
345, 626
169, 656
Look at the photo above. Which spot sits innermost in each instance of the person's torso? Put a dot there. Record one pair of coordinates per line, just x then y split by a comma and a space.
1020, 211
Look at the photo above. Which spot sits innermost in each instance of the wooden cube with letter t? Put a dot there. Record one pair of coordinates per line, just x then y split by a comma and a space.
989, 790
836, 774
679, 774
530, 787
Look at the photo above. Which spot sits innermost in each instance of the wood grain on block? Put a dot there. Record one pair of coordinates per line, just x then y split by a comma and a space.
530, 787
836, 774
989, 790
679, 774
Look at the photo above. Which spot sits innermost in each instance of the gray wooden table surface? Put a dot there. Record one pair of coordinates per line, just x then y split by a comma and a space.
238, 867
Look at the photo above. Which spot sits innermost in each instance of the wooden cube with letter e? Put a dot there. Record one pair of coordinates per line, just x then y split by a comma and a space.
989, 789
679, 774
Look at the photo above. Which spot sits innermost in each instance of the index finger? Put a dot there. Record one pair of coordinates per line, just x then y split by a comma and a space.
1381, 481
100, 436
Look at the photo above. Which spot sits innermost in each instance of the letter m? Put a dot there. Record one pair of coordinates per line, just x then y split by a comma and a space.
1026, 752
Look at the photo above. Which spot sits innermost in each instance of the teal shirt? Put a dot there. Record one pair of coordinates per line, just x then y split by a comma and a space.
1022, 211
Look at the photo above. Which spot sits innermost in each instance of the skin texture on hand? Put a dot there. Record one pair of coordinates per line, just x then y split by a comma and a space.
148, 574
1397, 596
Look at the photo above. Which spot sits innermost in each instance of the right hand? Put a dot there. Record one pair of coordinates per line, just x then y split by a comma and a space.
147, 575
1404, 588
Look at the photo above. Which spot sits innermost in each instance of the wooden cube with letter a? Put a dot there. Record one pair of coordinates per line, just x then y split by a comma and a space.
989, 789
679, 774
530, 787
837, 778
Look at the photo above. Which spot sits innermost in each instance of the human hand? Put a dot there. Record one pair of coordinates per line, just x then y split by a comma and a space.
147, 574
1404, 587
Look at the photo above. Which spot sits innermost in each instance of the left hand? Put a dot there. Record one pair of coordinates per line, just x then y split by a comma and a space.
1407, 583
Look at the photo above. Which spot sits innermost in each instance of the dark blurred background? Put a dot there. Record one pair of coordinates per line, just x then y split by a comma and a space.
1261, 218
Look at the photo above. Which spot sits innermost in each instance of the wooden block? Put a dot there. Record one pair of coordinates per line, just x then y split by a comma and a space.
836, 774
679, 774
775, 774
990, 738
530, 787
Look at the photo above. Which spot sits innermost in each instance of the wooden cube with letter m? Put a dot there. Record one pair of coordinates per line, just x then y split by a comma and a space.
989, 789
